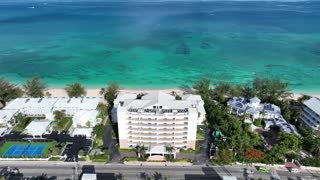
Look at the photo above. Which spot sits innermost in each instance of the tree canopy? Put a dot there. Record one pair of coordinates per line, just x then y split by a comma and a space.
59, 117
271, 89
35, 87
8, 91
111, 92
75, 90
98, 130
202, 87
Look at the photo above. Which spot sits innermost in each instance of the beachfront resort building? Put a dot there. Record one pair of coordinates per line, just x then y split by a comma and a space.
311, 113
157, 119
84, 111
253, 108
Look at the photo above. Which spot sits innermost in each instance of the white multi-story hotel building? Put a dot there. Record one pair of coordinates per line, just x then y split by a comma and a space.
158, 119
311, 113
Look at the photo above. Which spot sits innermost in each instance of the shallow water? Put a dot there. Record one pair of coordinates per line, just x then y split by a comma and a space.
161, 45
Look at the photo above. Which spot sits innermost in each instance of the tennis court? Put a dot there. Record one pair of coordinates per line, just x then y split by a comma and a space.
27, 150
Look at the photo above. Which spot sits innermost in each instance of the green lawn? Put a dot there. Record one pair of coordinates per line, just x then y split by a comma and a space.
63, 124
101, 157
68, 123
127, 150
200, 133
7, 145
22, 124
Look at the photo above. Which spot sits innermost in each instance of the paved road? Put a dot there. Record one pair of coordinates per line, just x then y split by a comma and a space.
114, 171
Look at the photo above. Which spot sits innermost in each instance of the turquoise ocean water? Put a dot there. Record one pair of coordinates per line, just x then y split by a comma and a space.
161, 45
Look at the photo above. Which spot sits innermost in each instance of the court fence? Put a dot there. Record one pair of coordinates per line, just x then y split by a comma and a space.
27, 140
25, 159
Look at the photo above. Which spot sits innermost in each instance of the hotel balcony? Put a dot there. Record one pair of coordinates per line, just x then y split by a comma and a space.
171, 134
142, 134
158, 113
172, 139
155, 140
159, 125
171, 125
142, 124
143, 138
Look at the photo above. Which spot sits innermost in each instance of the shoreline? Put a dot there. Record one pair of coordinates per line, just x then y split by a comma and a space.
95, 92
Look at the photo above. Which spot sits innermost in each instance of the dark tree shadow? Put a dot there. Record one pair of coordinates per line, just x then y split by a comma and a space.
157, 176
119, 176
144, 176
186, 88
209, 174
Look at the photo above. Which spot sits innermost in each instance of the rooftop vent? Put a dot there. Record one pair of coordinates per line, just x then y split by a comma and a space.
39, 101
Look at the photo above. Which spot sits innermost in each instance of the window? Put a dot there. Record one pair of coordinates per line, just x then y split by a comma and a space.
154, 107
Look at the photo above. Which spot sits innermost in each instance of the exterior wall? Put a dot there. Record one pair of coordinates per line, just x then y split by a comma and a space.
191, 144
122, 129
143, 129
310, 118
192, 131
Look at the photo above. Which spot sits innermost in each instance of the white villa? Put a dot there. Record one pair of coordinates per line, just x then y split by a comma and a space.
311, 113
33, 107
158, 119
85, 118
7, 116
73, 105
283, 125
254, 108
82, 110
37, 128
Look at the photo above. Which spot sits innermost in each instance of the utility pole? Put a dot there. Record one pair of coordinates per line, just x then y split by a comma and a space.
76, 173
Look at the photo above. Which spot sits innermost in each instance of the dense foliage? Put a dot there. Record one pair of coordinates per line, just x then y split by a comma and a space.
111, 92
238, 142
35, 87
8, 91
61, 122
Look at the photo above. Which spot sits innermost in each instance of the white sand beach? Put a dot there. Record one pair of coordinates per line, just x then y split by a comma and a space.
59, 92
95, 92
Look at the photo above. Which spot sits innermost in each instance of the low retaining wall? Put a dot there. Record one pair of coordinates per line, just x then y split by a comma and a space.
24, 159
280, 166
138, 163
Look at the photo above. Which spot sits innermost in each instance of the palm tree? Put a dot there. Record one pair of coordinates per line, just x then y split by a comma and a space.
75, 90
59, 117
111, 92
202, 87
88, 124
246, 115
8, 91
35, 87
263, 113
247, 91
173, 93
169, 150
315, 147
103, 109
142, 151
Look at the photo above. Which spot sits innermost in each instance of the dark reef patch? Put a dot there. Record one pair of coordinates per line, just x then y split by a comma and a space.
183, 49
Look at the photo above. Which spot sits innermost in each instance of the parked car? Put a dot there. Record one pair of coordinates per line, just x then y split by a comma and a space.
263, 169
